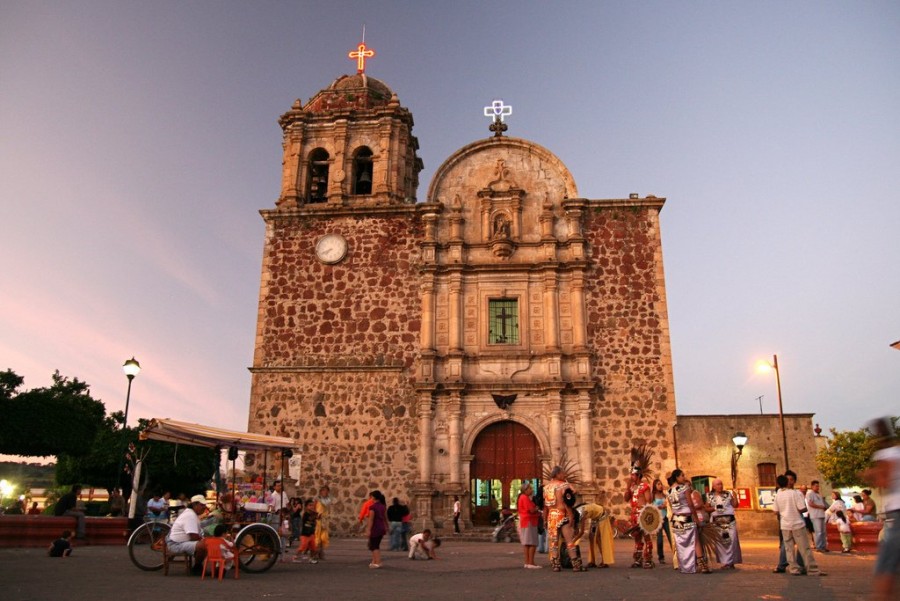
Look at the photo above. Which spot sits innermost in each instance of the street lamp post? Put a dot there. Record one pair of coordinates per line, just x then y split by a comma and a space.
739, 439
765, 365
131, 369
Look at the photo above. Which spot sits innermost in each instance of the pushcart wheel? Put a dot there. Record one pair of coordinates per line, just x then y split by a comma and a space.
145, 545
257, 547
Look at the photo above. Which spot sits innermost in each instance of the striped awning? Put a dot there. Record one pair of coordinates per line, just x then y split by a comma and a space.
171, 430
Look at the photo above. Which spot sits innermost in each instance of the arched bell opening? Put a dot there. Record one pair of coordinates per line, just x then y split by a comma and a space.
317, 176
362, 171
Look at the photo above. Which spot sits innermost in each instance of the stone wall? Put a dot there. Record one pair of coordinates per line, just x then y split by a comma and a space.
363, 310
627, 330
335, 349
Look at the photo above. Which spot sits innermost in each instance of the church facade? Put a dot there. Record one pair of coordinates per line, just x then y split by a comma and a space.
457, 345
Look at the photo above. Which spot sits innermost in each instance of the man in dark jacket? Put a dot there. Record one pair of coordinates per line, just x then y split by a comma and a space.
68, 505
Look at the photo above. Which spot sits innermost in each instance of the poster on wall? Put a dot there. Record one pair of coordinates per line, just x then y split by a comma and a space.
745, 501
765, 496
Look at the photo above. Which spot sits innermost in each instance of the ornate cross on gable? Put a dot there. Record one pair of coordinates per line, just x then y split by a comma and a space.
361, 54
497, 111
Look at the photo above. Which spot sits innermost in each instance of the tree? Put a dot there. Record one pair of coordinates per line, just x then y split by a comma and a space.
98, 466
167, 466
63, 418
847, 455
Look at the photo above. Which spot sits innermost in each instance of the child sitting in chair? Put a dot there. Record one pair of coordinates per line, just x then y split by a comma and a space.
222, 537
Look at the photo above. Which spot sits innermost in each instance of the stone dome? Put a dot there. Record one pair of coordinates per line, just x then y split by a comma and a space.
358, 91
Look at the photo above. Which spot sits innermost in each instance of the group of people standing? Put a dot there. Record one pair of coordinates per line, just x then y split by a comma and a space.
681, 512
378, 520
694, 526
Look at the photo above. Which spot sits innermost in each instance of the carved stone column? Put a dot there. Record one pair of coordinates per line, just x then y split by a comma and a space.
454, 418
456, 223
551, 311
579, 323
426, 337
291, 169
573, 218
338, 187
456, 322
547, 220
426, 437
554, 407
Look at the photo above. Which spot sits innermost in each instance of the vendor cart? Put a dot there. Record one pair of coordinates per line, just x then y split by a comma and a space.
257, 544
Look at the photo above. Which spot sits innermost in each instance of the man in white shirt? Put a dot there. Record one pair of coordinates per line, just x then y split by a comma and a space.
277, 501
186, 532
816, 505
790, 506
885, 473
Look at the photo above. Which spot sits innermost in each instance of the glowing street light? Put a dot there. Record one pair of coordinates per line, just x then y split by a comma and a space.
131, 369
763, 367
740, 440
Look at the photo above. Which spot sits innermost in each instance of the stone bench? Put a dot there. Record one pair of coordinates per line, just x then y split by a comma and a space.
41, 530
865, 536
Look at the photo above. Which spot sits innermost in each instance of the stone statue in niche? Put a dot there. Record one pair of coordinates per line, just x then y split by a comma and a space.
501, 228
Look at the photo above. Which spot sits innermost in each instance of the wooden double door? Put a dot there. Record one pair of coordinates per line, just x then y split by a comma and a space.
505, 454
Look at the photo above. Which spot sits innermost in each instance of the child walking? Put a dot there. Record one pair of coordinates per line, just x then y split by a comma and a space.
844, 529
284, 531
308, 532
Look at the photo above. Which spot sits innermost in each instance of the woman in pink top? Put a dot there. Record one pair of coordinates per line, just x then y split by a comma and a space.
528, 524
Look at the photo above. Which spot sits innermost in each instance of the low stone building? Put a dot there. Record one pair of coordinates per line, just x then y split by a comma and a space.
704, 450
462, 344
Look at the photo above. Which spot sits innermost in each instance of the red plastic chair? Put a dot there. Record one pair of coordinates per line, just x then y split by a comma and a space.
214, 558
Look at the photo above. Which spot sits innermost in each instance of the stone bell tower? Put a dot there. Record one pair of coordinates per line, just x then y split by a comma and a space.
352, 141
339, 310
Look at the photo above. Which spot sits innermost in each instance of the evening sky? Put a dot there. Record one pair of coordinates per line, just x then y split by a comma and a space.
138, 140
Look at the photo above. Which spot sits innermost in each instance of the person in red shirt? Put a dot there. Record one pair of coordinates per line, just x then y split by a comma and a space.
528, 523
364, 511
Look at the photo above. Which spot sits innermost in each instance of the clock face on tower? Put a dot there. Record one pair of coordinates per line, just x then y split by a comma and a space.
331, 248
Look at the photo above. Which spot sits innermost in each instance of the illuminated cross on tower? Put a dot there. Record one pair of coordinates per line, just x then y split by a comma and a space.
361, 54
497, 111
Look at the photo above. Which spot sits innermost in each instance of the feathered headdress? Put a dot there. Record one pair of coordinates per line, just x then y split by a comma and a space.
640, 460
573, 474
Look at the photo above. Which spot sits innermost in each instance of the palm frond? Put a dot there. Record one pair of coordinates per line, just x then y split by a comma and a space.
709, 537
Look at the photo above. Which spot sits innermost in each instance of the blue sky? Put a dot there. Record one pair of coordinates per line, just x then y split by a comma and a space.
139, 140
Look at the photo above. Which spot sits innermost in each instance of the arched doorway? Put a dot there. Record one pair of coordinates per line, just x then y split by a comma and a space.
504, 454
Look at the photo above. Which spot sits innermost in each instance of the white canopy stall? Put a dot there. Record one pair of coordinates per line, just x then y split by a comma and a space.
171, 430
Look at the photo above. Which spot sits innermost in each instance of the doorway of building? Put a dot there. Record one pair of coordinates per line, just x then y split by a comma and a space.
505, 454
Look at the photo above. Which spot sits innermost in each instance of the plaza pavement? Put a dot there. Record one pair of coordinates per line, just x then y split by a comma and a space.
464, 571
